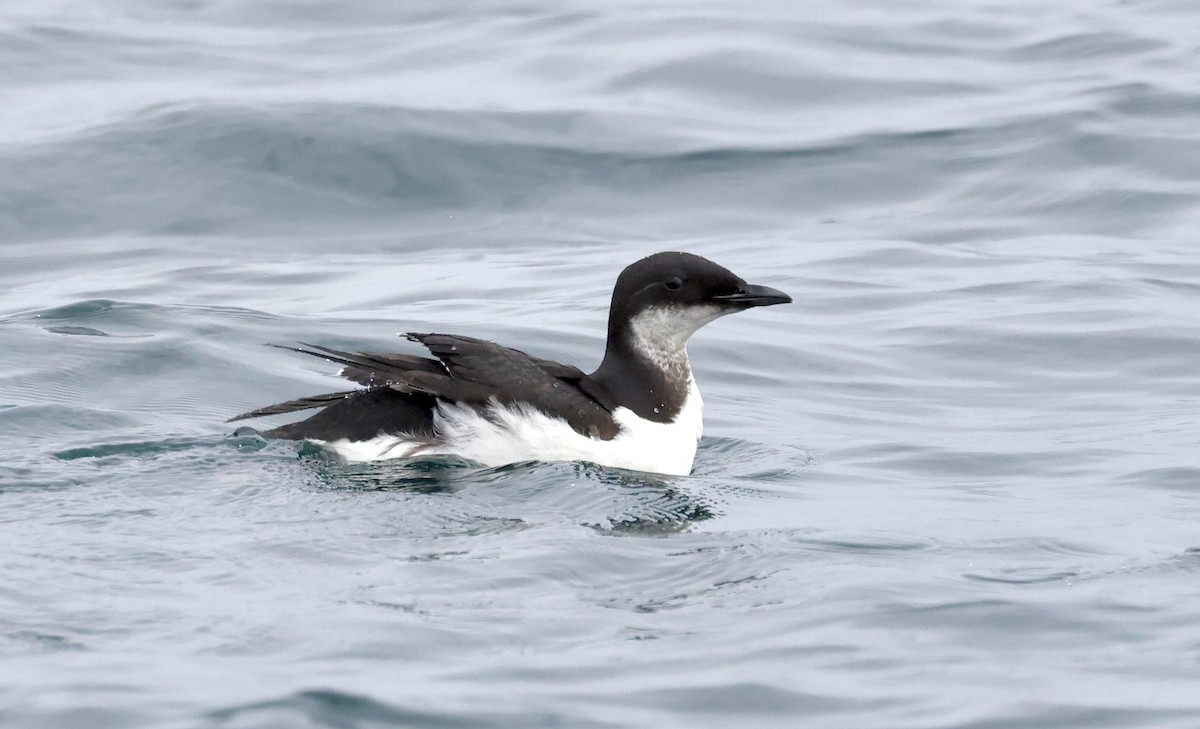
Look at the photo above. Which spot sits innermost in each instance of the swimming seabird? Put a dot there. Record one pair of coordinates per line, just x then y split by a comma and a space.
494, 405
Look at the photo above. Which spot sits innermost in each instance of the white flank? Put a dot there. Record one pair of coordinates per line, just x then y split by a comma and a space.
511, 434
379, 448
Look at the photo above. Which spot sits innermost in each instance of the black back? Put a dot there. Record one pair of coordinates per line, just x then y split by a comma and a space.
402, 390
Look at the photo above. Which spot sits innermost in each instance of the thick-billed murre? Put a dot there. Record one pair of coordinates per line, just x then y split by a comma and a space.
487, 403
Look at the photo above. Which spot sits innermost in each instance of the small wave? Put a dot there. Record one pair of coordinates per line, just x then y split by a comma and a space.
751, 462
1021, 576
1085, 47
78, 311
859, 546
1180, 478
77, 331
327, 707
151, 448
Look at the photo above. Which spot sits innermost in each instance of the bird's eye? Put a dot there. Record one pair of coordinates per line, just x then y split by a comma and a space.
674, 283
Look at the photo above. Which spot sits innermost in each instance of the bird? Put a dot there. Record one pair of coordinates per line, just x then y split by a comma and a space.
640, 410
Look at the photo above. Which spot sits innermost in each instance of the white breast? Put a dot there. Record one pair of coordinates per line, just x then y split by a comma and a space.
512, 434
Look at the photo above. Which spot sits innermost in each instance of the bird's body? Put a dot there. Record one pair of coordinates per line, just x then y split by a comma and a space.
488, 403
498, 434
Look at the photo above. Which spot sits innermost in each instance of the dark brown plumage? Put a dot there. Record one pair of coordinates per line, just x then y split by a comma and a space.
402, 388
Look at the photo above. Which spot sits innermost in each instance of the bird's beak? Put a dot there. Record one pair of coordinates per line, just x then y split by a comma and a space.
751, 295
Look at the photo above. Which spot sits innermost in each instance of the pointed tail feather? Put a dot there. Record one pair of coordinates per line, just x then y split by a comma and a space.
291, 406
368, 368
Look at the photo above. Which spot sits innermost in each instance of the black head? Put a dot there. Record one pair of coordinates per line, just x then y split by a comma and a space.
685, 292
658, 303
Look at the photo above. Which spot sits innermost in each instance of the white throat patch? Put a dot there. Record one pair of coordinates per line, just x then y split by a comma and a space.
661, 333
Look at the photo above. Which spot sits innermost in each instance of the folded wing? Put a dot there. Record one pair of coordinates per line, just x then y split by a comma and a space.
466, 370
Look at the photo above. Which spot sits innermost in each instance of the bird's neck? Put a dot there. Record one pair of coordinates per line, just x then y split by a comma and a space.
649, 378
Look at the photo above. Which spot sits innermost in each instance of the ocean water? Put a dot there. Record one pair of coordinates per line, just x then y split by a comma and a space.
956, 484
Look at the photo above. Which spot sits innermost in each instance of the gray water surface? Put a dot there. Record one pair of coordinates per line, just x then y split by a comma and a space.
955, 484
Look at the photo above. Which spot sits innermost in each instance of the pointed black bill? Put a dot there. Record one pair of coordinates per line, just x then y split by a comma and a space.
752, 295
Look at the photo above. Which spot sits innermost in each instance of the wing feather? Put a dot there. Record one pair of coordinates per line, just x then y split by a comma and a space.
465, 370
